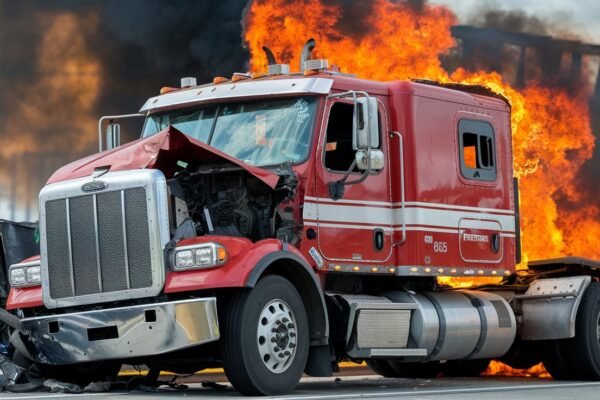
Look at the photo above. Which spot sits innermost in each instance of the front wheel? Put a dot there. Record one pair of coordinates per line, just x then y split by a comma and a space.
264, 343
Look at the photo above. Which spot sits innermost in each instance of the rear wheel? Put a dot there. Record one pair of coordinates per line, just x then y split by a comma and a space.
416, 369
556, 363
264, 343
582, 353
382, 367
465, 368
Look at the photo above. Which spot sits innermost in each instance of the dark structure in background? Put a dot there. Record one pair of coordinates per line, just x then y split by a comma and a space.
523, 57
484, 48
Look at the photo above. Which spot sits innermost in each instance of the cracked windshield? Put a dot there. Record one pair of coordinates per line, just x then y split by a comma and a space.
259, 133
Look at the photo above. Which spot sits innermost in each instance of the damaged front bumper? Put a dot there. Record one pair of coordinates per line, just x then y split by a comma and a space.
121, 333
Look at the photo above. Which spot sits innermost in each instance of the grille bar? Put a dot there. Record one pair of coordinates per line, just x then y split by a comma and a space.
70, 246
96, 234
126, 258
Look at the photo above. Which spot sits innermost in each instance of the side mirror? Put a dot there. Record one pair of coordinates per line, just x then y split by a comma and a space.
365, 125
377, 160
113, 135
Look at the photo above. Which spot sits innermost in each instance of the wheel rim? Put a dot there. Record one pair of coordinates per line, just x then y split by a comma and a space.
598, 329
277, 336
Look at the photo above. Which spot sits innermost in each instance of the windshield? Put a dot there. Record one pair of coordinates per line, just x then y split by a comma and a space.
266, 132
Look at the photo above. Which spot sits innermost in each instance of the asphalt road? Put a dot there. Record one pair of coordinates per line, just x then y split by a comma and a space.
371, 387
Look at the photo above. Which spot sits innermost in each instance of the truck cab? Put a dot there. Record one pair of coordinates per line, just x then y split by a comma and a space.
279, 224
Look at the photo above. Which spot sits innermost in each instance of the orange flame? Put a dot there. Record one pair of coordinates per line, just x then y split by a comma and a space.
497, 368
552, 136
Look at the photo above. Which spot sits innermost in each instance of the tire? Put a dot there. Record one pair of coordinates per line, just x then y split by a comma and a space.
583, 351
465, 368
264, 343
556, 363
382, 367
416, 369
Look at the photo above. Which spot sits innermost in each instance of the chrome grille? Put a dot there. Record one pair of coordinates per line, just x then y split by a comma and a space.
104, 245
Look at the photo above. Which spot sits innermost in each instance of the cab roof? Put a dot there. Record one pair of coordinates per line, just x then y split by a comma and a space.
322, 83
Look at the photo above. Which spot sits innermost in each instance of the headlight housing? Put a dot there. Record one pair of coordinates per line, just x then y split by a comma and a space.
25, 274
199, 256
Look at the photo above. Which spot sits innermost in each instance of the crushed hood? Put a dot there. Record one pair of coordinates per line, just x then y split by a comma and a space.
161, 151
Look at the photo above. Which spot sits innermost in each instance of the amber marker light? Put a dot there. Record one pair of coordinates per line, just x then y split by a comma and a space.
167, 89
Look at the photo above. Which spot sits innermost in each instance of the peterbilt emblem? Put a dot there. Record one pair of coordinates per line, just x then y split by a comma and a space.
94, 186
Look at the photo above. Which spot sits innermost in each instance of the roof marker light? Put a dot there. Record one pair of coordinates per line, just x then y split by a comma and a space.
219, 79
238, 76
167, 89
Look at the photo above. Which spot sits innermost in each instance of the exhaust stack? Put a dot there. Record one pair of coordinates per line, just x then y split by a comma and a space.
273, 67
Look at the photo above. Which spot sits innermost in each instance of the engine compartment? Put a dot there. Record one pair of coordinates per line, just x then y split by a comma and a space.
227, 200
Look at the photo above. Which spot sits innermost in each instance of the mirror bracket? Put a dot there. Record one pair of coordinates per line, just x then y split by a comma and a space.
336, 190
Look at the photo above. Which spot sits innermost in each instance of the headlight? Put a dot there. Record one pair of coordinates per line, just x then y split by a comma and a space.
25, 274
205, 255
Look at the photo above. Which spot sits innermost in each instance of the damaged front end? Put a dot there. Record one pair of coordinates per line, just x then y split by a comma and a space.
110, 223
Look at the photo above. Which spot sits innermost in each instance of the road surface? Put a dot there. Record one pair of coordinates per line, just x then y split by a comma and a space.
355, 384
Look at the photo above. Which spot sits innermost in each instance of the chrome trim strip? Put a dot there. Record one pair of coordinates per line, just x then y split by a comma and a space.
176, 325
68, 215
247, 88
124, 226
98, 266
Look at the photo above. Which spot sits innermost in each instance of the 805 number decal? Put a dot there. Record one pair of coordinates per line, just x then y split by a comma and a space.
440, 247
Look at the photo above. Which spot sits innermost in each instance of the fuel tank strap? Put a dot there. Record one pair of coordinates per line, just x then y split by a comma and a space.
484, 326
442, 336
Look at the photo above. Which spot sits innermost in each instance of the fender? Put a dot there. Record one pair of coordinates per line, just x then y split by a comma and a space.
550, 307
247, 263
243, 257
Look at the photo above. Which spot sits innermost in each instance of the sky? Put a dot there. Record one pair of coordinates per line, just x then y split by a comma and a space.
581, 16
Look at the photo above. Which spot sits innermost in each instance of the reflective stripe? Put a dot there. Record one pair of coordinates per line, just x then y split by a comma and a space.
410, 204
391, 218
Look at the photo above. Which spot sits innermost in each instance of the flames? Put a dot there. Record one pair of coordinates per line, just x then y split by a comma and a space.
497, 368
552, 137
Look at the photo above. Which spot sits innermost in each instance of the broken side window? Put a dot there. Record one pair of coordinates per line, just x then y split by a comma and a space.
477, 150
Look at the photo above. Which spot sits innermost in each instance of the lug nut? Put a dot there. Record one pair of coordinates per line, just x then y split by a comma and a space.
292, 334
291, 326
280, 355
291, 345
287, 353
284, 319
274, 330
276, 349
273, 340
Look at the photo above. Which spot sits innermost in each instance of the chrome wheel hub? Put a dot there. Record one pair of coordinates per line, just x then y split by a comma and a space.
598, 329
277, 336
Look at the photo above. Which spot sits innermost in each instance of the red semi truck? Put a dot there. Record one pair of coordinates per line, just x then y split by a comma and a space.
276, 225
